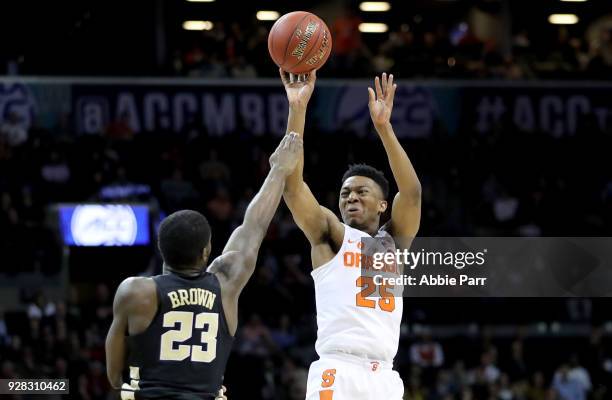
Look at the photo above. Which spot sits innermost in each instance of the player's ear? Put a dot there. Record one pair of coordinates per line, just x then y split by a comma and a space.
207, 250
382, 206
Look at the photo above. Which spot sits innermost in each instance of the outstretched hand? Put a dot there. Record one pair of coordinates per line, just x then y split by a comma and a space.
287, 153
299, 88
381, 102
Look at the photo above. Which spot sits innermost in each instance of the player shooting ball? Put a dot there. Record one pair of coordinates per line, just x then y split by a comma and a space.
358, 329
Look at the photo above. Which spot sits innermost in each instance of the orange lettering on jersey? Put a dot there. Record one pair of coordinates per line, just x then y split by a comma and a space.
349, 259
326, 395
329, 377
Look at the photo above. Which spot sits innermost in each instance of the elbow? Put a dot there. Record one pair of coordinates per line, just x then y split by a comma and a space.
114, 379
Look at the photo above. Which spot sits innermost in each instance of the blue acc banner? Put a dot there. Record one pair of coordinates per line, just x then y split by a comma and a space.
260, 107
104, 225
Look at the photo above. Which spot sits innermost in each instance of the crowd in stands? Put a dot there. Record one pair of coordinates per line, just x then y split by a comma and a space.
65, 339
240, 51
518, 193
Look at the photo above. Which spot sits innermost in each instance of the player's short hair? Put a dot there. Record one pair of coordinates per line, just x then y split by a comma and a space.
369, 172
182, 238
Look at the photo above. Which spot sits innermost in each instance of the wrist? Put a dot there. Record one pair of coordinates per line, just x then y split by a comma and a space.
299, 108
277, 171
384, 128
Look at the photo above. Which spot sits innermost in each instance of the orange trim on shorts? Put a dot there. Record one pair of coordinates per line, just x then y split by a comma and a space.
326, 395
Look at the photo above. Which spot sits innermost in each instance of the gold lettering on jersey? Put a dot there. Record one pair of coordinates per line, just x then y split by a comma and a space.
184, 297
174, 299
311, 28
194, 296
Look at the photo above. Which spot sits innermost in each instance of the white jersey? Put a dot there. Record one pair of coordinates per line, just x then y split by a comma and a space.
352, 315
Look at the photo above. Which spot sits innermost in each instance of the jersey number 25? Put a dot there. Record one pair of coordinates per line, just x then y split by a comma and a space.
386, 302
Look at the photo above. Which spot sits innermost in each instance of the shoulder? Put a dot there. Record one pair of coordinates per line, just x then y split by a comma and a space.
135, 290
399, 240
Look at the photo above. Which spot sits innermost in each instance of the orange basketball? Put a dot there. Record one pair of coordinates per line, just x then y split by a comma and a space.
299, 42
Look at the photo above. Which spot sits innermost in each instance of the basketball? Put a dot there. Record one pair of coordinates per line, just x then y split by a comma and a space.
299, 42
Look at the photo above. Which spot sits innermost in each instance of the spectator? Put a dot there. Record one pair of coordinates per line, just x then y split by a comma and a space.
566, 387
536, 389
487, 363
427, 353
284, 336
347, 39
178, 193
517, 368
255, 338
13, 131
578, 373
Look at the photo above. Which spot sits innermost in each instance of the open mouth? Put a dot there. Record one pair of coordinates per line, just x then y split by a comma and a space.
352, 210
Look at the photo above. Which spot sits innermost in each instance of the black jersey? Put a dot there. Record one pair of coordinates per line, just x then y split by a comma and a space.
183, 353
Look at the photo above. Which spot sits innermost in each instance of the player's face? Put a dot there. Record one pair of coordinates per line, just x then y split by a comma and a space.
361, 202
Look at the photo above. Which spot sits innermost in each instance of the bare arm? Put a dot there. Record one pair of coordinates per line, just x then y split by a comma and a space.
313, 219
243, 245
116, 351
134, 308
406, 210
116, 337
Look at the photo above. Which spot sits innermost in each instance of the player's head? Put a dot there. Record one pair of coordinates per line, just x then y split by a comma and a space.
363, 196
184, 240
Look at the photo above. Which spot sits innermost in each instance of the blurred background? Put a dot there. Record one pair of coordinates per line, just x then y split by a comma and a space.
113, 115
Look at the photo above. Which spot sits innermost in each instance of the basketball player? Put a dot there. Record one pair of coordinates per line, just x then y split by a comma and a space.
180, 325
357, 336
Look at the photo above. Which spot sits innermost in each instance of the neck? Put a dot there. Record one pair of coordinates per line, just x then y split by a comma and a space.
371, 229
193, 271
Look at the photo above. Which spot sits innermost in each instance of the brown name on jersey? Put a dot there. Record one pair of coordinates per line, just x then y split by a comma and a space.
198, 297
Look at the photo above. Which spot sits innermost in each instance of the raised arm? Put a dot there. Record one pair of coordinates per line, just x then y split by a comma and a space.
406, 209
237, 263
313, 219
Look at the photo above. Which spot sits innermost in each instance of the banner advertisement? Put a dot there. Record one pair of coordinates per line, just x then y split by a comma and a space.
88, 106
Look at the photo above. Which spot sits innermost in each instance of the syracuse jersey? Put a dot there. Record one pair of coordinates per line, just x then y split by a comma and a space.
355, 316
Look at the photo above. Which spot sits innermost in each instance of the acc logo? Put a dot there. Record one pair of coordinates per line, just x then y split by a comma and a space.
97, 225
414, 111
17, 98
